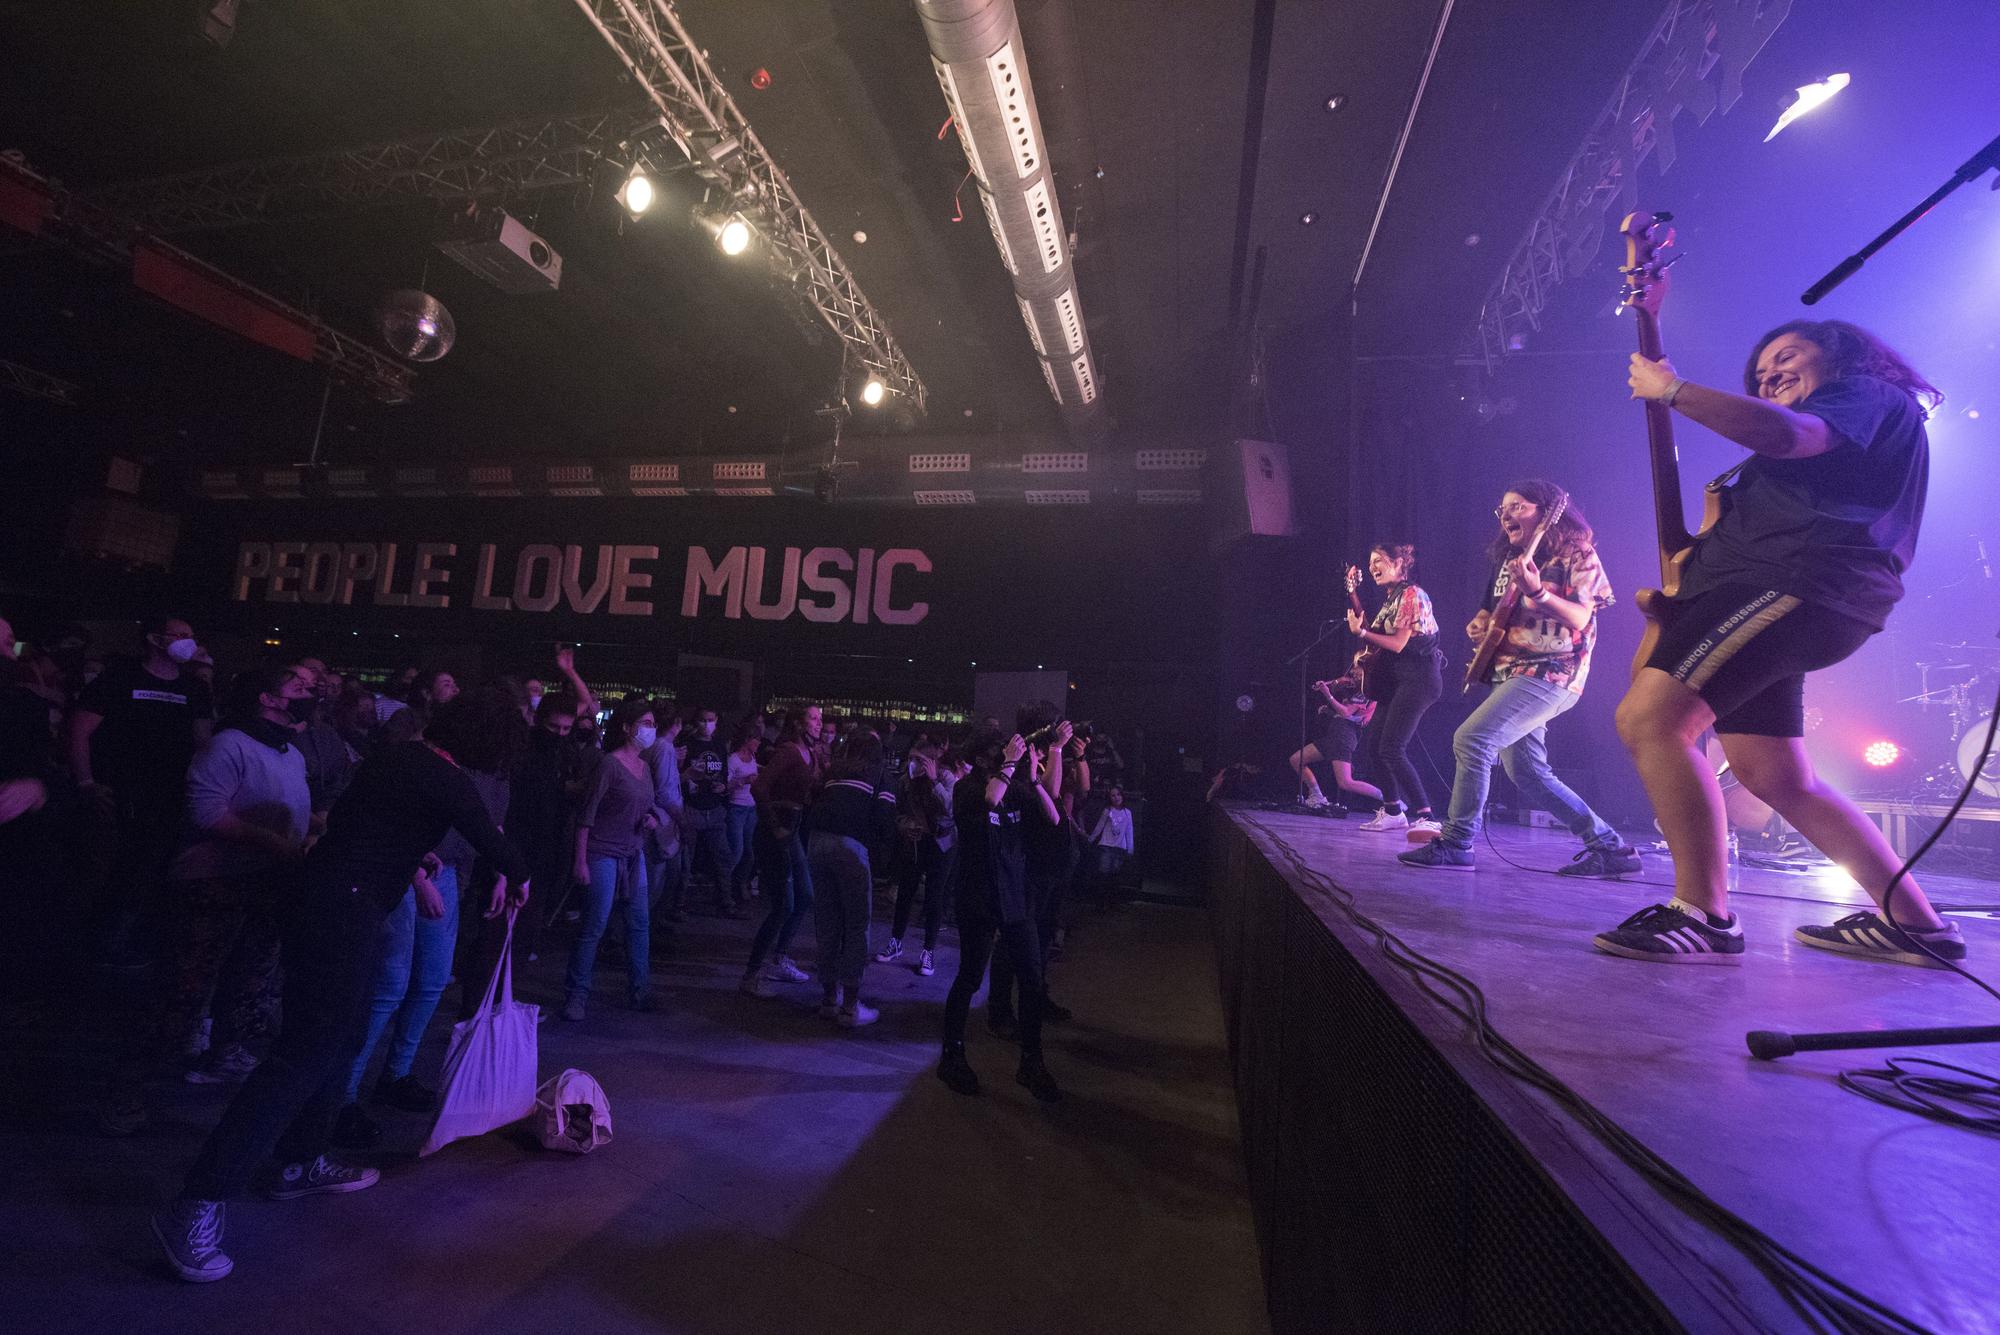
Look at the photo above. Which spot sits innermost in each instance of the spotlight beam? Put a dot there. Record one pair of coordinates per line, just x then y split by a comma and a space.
1808, 99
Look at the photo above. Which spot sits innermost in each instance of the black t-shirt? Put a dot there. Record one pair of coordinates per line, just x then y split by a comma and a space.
705, 779
402, 801
1838, 529
992, 863
147, 738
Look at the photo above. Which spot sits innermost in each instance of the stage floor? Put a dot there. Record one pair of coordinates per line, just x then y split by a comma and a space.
1904, 1209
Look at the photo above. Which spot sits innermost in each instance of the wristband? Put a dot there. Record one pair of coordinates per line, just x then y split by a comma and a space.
1673, 391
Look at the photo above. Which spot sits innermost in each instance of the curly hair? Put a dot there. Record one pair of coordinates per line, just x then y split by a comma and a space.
1404, 554
1569, 537
1850, 350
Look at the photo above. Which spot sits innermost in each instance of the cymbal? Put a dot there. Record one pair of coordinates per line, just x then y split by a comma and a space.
1942, 667
1992, 650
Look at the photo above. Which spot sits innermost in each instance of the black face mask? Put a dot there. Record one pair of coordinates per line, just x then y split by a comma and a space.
302, 711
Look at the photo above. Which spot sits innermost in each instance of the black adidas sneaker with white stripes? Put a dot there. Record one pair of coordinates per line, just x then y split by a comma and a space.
1869, 936
1665, 934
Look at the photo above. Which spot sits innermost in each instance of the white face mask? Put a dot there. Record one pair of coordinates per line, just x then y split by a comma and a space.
644, 737
182, 650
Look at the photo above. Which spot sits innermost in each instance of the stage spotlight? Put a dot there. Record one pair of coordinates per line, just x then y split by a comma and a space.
637, 192
734, 238
1808, 98
1882, 754
873, 392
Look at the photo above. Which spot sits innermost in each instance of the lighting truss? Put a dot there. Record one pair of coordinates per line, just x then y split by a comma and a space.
548, 153
705, 123
1693, 40
36, 384
102, 236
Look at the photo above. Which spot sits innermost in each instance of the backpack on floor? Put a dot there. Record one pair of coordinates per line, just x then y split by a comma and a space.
572, 1113
490, 1065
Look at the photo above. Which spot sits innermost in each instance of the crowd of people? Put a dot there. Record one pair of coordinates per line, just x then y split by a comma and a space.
289, 871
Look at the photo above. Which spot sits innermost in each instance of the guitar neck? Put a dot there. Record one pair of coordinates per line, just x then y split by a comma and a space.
1668, 517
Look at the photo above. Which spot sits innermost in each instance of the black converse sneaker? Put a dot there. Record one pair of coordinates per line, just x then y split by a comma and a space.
1870, 936
1669, 934
1603, 863
320, 1176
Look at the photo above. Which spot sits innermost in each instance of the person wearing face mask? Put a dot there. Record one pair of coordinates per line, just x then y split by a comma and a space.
248, 806
705, 790
131, 737
611, 831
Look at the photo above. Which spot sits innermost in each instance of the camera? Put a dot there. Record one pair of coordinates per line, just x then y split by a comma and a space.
1042, 736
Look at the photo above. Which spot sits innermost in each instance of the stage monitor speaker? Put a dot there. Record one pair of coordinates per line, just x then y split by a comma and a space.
1252, 487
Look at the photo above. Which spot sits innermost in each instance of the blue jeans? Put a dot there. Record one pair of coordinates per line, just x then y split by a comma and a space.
707, 830
1512, 726
742, 823
603, 892
786, 878
411, 975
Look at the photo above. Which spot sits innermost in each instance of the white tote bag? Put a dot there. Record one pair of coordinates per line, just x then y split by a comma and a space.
572, 1113
489, 1068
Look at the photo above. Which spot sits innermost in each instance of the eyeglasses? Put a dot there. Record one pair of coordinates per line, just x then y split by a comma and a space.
1505, 511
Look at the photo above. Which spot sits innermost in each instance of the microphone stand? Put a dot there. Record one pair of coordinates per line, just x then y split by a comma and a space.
1303, 658
1985, 160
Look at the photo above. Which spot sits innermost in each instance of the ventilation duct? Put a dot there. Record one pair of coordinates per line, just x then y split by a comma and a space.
977, 54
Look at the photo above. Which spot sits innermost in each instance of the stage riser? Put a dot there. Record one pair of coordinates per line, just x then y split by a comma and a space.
1388, 1196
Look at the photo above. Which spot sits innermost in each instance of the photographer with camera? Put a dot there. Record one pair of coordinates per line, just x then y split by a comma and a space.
1051, 859
992, 805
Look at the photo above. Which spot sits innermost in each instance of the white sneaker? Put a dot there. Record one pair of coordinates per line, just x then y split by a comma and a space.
1384, 821
1316, 802
782, 970
928, 965
757, 985
1424, 829
857, 1015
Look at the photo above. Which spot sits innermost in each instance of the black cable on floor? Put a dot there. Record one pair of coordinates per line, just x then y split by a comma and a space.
1825, 1302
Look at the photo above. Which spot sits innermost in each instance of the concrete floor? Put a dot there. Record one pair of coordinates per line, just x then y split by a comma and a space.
769, 1173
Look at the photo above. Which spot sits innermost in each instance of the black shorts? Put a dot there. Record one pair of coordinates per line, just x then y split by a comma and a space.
1746, 652
1339, 740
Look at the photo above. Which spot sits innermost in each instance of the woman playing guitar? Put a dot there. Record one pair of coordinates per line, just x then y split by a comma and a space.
1801, 567
1540, 616
1406, 682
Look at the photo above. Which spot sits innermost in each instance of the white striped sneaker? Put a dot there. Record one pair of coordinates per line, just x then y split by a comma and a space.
1666, 935
1867, 935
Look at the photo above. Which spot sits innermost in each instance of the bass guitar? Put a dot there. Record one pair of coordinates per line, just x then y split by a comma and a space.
1372, 660
1510, 602
1645, 291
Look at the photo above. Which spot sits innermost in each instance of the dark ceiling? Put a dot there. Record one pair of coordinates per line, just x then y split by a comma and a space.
655, 343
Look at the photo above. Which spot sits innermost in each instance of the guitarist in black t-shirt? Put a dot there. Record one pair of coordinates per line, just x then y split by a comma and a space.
1799, 570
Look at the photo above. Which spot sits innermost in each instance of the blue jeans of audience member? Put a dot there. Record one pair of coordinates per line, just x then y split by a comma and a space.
1512, 726
845, 886
741, 824
621, 882
410, 977
785, 875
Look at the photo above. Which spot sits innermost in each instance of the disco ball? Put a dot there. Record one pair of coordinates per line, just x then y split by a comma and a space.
415, 325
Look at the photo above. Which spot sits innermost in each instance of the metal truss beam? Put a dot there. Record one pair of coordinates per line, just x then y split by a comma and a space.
42, 207
1693, 61
702, 118
547, 153
36, 384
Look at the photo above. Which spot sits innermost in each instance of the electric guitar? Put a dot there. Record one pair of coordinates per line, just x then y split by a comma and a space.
1371, 661
1510, 601
1646, 235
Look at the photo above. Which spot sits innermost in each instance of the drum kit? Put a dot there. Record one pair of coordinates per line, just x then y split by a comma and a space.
1960, 682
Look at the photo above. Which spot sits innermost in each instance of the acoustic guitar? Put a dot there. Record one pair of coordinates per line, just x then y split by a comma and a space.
1645, 291
1503, 611
1372, 660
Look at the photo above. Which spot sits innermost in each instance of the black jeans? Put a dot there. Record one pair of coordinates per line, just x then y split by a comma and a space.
1413, 690
784, 876
1021, 947
332, 943
932, 867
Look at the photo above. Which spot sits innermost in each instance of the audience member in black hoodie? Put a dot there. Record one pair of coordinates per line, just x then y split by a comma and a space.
850, 818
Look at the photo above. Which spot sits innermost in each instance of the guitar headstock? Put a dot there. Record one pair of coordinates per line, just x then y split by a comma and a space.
1646, 235
1549, 518
1353, 578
